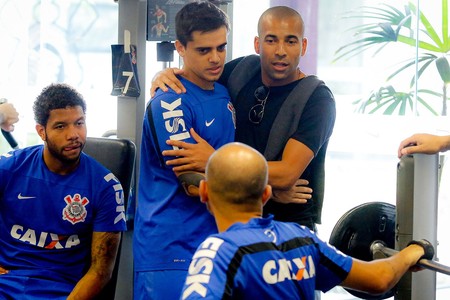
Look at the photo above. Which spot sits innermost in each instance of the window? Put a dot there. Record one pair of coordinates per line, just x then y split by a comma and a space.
58, 41
362, 154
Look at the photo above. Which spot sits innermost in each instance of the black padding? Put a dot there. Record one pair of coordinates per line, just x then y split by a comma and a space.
191, 178
427, 248
117, 155
355, 231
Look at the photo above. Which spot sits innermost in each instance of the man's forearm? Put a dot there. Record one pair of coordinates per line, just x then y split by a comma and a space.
104, 250
445, 143
379, 276
282, 177
284, 173
89, 286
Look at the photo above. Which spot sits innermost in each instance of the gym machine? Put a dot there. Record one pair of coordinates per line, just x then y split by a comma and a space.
377, 229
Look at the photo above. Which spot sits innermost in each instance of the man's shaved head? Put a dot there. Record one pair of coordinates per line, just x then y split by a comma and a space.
238, 173
280, 13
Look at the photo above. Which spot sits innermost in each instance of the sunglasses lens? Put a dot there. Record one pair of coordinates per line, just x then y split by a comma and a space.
261, 93
256, 113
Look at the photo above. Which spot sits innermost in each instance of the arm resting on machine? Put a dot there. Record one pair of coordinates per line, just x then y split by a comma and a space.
381, 275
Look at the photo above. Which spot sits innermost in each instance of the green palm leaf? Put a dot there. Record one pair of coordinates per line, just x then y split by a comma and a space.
389, 101
391, 25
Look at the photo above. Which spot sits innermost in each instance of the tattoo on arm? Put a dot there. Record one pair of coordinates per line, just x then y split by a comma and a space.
104, 251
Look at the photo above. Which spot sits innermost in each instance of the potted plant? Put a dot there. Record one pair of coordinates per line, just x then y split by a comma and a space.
390, 25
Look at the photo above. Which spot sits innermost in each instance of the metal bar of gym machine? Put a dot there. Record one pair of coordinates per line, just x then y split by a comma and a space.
417, 201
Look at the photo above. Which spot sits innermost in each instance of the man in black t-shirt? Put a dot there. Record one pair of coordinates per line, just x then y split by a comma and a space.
280, 44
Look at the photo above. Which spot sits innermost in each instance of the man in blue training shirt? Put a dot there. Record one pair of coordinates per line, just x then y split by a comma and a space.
258, 258
61, 212
170, 220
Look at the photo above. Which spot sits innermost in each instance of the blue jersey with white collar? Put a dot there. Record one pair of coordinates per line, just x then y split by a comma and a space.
264, 259
47, 220
169, 225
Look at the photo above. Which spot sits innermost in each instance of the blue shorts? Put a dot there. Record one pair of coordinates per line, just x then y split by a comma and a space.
166, 284
22, 287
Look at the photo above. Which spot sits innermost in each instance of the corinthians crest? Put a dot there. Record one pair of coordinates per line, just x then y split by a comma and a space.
75, 210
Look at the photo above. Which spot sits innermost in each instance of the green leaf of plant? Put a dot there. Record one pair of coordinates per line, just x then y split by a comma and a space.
430, 31
387, 32
389, 101
445, 37
426, 58
388, 24
443, 68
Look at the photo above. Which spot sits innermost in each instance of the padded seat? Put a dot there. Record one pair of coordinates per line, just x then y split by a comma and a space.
119, 156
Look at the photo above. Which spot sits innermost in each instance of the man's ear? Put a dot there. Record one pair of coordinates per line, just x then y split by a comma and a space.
203, 193
180, 48
267, 194
304, 46
256, 44
41, 131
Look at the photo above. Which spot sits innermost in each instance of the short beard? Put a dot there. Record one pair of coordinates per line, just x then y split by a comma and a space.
57, 154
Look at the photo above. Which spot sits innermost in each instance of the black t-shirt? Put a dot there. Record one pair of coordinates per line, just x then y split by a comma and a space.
315, 128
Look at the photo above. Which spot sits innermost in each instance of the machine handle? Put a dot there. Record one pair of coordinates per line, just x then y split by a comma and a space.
10, 139
379, 247
8, 136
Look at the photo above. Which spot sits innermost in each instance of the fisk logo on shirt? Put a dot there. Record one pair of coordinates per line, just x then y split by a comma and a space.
174, 122
120, 209
201, 267
275, 271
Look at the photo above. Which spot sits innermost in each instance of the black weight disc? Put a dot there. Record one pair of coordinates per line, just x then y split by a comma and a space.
358, 228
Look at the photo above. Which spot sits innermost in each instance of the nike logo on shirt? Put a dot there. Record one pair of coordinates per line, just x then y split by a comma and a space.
209, 123
20, 197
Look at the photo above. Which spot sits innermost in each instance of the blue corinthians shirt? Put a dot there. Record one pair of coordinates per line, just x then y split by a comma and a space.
169, 225
47, 220
264, 259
